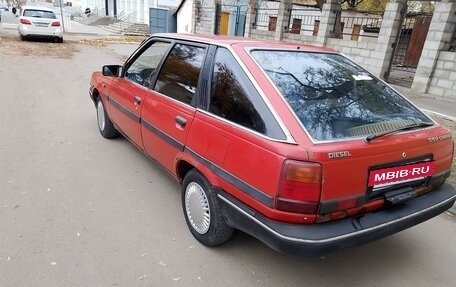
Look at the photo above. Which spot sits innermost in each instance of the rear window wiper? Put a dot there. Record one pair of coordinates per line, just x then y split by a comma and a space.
371, 137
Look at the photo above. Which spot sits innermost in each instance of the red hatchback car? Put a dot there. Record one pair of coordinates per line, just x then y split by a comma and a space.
296, 145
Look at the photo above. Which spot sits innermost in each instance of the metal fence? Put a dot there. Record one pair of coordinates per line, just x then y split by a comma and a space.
266, 19
356, 24
304, 21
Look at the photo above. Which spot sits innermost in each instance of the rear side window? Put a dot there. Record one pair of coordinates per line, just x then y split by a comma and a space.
178, 78
234, 97
335, 98
39, 14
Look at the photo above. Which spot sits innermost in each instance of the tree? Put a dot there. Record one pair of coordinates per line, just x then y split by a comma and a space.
351, 3
373, 5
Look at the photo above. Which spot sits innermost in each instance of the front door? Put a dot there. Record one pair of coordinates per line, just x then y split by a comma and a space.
169, 110
125, 99
128, 93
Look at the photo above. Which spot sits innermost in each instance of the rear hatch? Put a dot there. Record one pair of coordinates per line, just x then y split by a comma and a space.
373, 145
388, 170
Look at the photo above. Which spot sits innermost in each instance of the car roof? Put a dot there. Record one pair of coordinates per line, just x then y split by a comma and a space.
243, 42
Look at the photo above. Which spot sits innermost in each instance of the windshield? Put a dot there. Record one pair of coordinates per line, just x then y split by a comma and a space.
335, 98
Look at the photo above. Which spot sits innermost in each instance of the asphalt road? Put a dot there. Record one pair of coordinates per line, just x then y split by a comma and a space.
80, 210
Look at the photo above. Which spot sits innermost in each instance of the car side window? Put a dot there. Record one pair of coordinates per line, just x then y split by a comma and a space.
233, 96
178, 78
142, 69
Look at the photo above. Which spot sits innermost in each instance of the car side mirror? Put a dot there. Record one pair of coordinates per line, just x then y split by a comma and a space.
111, 70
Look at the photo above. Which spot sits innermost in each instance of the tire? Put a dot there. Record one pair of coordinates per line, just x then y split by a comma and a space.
22, 38
202, 211
60, 40
105, 125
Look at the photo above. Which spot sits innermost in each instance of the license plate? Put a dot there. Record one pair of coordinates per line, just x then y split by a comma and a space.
404, 173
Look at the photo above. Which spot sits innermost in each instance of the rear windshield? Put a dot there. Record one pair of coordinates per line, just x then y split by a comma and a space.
39, 14
335, 98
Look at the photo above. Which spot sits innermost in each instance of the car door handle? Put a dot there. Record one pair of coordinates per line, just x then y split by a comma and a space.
137, 100
181, 121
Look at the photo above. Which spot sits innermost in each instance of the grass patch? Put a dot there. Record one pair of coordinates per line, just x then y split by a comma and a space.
100, 42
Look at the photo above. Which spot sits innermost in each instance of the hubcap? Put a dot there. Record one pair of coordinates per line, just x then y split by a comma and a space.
197, 208
101, 116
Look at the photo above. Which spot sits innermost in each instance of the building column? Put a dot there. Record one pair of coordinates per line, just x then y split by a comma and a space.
206, 13
388, 35
330, 12
147, 11
283, 19
441, 29
250, 18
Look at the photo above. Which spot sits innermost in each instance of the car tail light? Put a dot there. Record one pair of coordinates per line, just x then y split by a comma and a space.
55, 24
26, 22
300, 187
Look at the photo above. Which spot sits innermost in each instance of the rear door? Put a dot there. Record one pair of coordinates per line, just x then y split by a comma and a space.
127, 93
169, 109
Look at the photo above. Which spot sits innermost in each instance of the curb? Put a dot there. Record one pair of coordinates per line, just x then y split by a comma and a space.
453, 209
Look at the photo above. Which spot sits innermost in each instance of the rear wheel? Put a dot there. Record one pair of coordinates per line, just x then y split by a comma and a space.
202, 211
105, 125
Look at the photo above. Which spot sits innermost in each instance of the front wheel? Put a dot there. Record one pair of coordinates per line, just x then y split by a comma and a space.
202, 211
105, 125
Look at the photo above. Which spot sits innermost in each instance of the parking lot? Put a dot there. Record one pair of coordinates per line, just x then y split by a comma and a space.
79, 210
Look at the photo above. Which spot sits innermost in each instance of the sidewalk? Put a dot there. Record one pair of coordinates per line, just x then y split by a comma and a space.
75, 28
429, 104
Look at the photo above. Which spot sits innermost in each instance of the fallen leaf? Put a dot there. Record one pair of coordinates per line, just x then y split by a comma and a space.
142, 277
53, 263
176, 279
163, 263
8, 259
48, 189
78, 234
191, 246
199, 278
144, 254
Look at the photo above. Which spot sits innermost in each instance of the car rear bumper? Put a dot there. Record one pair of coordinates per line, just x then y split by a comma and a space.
27, 31
318, 239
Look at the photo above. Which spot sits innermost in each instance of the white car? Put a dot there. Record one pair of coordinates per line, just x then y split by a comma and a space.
39, 22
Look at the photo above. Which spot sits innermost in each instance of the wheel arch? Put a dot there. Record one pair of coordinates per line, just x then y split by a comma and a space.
95, 96
186, 163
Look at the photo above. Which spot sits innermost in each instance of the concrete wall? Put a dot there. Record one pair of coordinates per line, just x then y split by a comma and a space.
443, 80
433, 74
372, 53
364, 53
436, 73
